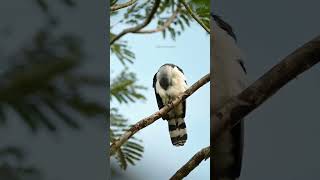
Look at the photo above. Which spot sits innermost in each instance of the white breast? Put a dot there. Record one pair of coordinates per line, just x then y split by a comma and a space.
177, 87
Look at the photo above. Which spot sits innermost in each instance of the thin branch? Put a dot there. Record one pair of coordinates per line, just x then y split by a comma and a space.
238, 107
183, 2
157, 115
203, 154
140, 26
164, 26
123, 5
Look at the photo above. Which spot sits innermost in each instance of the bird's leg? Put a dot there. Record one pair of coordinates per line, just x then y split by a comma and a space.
165, 117
170, 100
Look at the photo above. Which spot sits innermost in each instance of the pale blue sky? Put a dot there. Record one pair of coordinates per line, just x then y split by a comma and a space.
191, 52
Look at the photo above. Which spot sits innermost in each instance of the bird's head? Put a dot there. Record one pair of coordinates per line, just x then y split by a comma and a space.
164, 75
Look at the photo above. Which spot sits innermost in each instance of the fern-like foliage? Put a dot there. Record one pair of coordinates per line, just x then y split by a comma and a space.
124, 89
42, 80
121, 50
138, 12
13, 166
202, 9
132, 150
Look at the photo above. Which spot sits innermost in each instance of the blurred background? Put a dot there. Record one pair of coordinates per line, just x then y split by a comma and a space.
281, 140
53, 79
172, 36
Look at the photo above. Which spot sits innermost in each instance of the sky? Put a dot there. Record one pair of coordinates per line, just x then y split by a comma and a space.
282, 135
190, 52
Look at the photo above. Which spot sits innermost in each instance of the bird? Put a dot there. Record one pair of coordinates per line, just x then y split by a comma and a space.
168, 83
229, 79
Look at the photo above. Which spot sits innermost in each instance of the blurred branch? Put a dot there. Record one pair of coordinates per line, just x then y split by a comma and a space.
140, 26
289, 68
164, 26
28, 81
123, 5
43, 81
203, 154
183, 2
155, 116
13, 165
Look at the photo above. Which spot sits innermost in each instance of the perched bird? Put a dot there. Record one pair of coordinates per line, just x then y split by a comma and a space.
168, 83
229, 79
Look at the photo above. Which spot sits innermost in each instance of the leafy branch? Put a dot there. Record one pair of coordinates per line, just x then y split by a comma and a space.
42, 80
195, 16
139, 26
116, 7
131, 150
124, 88
164, 25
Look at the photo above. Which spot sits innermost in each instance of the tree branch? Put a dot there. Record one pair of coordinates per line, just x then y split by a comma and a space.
123, 5
203, 154
155, 116
183, 2
164, 26
140, 26
238, 107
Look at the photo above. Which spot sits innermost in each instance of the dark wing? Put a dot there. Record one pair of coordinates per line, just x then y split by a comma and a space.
242, 65
184, 103
159, 100
184, 109
180, 70
154, 81
237, 136
224, 25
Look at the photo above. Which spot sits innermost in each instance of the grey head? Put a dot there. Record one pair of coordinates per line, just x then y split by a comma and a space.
164, 73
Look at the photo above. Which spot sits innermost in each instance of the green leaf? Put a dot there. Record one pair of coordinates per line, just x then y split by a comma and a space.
132, 150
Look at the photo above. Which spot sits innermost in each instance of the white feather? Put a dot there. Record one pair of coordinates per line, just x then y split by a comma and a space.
177, 87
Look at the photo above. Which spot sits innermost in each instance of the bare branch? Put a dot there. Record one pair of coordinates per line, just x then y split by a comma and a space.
183, 2
203, 154
164, 26
238, 107
123, 5
140, 26
155, 116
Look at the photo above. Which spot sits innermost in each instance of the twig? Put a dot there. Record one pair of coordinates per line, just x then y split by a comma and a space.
140, 26
195, 16
123, 5
164, 26
203, 154
155, 116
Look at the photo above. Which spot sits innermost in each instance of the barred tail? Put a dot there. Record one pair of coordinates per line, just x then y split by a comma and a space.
178, 131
